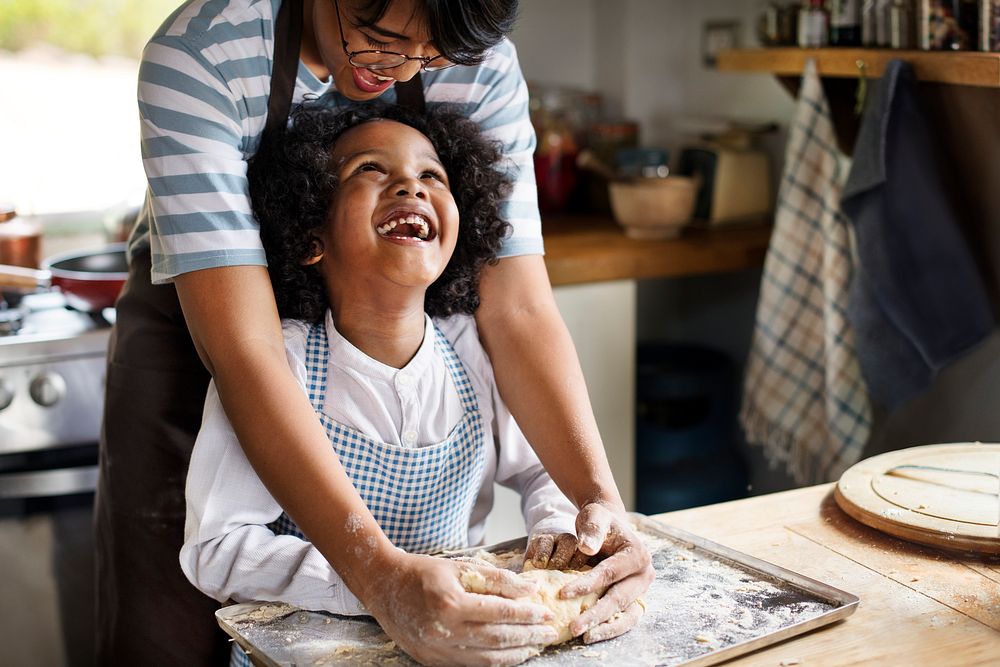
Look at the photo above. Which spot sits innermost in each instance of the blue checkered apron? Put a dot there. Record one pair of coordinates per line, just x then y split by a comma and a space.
422, 497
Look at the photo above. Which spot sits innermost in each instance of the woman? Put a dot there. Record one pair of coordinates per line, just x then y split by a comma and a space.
199, 289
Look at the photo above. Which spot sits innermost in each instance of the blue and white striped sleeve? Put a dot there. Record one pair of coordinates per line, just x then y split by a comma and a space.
194, 132
502, 113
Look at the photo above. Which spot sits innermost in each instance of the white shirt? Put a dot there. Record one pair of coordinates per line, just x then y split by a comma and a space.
229, 553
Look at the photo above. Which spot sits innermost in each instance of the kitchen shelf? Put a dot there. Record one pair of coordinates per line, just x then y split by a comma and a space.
585, 249
964, 68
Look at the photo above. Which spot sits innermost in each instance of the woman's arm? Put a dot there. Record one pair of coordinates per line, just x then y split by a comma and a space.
229, 551
540, 379
234, 324
418, 600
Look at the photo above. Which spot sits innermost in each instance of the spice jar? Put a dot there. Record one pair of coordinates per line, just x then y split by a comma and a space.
990, 30
20, 239
949, 25
901, 25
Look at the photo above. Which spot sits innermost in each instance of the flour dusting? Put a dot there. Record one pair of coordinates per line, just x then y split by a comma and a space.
699, 603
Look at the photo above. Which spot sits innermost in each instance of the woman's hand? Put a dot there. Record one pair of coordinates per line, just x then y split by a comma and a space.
421, 604
627, 571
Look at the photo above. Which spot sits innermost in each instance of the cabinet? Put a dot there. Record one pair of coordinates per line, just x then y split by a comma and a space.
601, 319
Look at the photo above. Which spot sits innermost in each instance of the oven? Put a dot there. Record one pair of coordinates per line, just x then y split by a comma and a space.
52, 366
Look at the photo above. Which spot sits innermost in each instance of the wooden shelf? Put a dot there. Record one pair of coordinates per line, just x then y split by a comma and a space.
588, 249
964, 68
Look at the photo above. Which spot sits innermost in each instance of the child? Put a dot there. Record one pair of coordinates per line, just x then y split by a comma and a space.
374, 222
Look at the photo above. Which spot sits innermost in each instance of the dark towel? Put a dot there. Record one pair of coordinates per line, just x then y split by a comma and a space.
917, 301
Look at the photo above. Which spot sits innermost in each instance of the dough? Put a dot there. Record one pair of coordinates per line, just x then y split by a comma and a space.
550, 582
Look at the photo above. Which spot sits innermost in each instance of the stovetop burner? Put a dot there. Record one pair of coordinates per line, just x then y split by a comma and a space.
11, 320
51, 374
46, 314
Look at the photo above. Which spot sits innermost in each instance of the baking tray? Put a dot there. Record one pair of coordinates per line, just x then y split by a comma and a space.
708, 604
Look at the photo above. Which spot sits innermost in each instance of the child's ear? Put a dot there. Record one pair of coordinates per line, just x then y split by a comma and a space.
316, 251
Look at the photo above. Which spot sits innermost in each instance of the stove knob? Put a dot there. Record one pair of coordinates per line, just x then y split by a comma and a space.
47, 389
6, 394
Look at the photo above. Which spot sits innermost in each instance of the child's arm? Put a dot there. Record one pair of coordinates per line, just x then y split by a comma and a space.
228, 552
418, 600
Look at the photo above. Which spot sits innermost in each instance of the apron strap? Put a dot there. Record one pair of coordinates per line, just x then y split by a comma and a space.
457, 369
410, 94
285, 69
317, 360
287, 41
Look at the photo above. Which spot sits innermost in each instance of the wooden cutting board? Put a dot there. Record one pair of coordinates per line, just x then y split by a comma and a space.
943, 495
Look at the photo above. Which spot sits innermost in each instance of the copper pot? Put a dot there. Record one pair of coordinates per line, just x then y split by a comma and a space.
20, 240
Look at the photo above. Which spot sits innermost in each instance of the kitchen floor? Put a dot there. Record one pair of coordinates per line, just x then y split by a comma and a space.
30, 632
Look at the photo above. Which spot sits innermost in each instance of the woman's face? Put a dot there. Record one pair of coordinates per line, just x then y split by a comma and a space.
401, 29
392, 222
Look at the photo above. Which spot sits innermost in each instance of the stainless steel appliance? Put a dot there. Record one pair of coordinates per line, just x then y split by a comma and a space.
52, 371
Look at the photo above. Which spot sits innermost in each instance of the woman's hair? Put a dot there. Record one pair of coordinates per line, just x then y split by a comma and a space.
462, 30
292, 185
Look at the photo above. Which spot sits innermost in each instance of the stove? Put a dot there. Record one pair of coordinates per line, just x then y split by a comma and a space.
52, 370
52, 367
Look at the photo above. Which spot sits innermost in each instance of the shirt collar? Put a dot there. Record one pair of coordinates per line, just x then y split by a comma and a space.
344, 354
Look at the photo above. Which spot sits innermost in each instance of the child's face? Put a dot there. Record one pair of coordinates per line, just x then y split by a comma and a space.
392, 216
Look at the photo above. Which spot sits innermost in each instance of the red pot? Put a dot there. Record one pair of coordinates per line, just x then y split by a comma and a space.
90, 279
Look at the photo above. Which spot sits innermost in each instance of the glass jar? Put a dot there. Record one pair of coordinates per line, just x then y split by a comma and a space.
950, 25
902, 34
991, 27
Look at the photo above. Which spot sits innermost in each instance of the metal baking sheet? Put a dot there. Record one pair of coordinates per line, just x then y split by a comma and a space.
708, 604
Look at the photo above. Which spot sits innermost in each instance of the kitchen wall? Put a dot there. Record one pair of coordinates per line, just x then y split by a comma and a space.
644, 57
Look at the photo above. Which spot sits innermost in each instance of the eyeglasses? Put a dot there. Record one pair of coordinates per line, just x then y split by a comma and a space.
376, 59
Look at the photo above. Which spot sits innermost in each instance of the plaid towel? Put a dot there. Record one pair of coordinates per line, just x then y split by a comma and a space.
804, 400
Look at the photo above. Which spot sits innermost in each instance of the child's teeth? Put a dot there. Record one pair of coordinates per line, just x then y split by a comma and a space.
423, 229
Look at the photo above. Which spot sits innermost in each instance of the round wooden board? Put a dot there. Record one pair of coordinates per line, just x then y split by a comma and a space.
907, 494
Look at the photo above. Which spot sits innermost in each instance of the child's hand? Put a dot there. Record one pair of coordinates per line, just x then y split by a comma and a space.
627, 570
555, 552
421, 604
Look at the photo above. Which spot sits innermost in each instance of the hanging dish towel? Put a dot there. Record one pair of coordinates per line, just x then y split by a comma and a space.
804, 400
918, 300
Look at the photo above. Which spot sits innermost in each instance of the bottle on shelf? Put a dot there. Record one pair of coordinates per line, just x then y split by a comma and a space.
902, 32
868, 17
814, 24
845, 23
990, 26
883, 30
777, 24
949, 25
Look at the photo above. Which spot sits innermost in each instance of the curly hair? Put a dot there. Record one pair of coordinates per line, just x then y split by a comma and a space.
292, 185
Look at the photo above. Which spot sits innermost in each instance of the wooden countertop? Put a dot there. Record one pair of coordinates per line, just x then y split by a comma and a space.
593, 248
919, 606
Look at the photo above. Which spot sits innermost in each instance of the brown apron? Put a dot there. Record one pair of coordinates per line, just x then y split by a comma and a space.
147, 611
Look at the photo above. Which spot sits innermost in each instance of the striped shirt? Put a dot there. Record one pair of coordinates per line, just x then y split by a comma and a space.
203, 91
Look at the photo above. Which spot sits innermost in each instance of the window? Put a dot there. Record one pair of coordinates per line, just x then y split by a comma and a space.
69, 130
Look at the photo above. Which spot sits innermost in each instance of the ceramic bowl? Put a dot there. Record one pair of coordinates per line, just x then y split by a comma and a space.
653, 208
